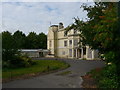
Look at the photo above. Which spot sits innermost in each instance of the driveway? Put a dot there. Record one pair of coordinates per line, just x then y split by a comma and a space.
68, 78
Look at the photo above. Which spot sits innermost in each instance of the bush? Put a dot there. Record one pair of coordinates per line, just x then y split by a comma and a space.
18, 61
107, 77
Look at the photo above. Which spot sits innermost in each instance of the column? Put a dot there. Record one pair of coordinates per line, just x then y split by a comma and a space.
76, 54
93, 54
82, 53
86, 52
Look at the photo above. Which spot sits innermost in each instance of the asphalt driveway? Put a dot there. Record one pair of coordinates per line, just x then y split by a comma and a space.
72, 78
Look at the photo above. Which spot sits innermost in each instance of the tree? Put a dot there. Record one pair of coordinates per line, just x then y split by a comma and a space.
7, 40
31, 41
11, 57
19, 39
42, 41
101, 31
8, 47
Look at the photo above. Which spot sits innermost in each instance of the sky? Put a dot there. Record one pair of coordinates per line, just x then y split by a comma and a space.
38, 16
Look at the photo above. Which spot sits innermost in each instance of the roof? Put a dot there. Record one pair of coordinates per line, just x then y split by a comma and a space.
34, 50
54, 26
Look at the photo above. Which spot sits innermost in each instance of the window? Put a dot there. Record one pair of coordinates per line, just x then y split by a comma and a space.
65, 43
63, 53
74, 52
65, 33
70, 52
75, 42
50, 44
75, 31
70, 42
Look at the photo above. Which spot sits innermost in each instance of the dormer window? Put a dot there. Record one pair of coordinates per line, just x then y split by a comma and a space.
75, 31
65, 33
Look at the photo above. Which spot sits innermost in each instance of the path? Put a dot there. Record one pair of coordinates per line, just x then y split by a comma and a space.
71, 79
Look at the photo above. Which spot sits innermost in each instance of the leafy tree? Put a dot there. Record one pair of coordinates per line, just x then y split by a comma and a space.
101, 31
19, 39
42, 41
7, 40
8, 49
34, 41
11, 58
31, 41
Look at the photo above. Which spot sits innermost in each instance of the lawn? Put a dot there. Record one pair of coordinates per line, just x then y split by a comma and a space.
41, 66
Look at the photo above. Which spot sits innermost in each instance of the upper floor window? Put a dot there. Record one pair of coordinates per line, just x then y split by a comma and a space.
75, 42
70, 42
75, 31
65, 33
65, 43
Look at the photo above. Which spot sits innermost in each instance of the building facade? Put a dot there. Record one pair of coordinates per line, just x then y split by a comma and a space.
35, 52
64, 45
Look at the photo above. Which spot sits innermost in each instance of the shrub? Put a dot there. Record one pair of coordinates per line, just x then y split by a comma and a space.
18, 61
108, 77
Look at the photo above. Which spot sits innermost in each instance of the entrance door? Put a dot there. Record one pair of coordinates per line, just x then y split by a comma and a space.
84, 52
40, 54
79, 52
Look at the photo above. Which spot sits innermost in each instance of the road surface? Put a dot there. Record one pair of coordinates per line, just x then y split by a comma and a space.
72, 78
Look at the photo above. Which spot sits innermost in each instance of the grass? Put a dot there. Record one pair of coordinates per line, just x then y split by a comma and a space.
64, 73
42, 66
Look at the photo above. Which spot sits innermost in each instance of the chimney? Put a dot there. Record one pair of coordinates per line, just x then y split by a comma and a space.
61, 25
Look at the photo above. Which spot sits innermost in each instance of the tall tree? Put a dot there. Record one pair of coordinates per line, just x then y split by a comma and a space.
31, 41
8, 46
42, 41
101, 31
19, 39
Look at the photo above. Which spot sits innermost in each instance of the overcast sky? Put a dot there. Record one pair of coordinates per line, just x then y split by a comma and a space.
36, 16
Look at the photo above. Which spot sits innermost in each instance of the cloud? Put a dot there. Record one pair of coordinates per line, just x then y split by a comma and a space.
36, 16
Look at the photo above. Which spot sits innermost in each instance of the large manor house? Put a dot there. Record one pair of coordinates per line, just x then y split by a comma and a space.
62, 45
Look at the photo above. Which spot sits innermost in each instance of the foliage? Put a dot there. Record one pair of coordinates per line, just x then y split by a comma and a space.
106, 78
34, 41
42, 40
17, 61
19, 39
31, 40
12, 43
101, 31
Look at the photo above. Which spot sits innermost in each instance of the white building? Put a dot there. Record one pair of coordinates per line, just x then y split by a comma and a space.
35, 52
66, 46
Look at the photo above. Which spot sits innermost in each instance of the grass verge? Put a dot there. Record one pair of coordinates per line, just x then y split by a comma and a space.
41, 67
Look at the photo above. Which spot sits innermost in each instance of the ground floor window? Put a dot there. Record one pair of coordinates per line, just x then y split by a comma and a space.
74, 52
84, 50
70, 52
63, 53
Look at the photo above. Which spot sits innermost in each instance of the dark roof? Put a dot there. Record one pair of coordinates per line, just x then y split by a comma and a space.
54, 26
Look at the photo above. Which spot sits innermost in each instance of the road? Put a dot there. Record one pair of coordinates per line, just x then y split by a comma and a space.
72, 78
